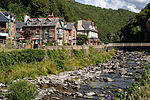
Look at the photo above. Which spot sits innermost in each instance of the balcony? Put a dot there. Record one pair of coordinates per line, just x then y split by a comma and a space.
51, 35
60, 36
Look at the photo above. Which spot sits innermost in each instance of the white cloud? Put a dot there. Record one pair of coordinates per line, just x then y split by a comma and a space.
132, 5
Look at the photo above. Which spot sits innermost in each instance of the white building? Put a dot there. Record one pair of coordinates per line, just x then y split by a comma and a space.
88, 28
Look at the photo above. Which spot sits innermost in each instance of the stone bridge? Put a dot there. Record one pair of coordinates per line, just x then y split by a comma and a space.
129, 46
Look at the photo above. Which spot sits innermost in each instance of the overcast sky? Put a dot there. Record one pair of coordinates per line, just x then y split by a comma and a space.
132, 5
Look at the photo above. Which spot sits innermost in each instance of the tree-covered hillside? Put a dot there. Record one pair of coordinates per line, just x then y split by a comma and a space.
108, 21
135, 30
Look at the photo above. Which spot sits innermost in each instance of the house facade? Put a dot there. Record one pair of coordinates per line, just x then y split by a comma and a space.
88, 28
19, 30
70, 33
7, 26
45, 30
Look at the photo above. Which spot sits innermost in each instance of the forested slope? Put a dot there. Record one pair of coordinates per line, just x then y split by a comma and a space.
135, 29
108, 21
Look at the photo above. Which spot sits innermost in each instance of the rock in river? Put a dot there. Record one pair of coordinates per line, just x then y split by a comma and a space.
107, 79
90, 93
119, 90
123, 72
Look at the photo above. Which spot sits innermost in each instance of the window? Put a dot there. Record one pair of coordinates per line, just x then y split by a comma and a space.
57, 30
47, 30
37, 31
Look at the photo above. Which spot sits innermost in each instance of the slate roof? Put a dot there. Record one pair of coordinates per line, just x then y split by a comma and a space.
7, 13
19, 24
69, 25
3, 18
86, 25
42, 21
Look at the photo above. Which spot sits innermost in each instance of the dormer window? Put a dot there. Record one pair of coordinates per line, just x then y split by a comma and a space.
28, 22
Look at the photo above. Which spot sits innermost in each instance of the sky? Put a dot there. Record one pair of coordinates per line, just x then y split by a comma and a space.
132, 5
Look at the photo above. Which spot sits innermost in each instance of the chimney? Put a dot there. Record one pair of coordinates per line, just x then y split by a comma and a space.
79, 26
26, 17
89, 19
51, 15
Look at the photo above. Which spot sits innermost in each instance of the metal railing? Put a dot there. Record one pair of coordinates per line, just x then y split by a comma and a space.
3, 41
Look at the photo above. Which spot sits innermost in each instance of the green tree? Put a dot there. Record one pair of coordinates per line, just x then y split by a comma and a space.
17, 9
39, 8
82, 39
135, 30
1, 9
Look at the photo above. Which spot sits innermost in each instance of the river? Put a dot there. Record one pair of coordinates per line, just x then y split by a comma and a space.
95, 82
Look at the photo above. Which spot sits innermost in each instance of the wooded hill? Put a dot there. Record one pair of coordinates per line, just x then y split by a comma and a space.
135, 30
108, 21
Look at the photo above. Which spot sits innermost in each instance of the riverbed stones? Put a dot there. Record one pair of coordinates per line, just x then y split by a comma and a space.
2, 85
123, 66
109, 71
78, 94
54, 98
67, 93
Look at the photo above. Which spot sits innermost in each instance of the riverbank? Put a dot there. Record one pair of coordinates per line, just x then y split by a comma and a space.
95, 80
55, 62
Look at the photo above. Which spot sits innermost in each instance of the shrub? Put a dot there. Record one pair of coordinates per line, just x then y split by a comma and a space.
28, 56
22, 90
67, 44
49, 44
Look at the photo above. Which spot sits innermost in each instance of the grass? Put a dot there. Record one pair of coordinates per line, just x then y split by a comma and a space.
59, 61
22, 90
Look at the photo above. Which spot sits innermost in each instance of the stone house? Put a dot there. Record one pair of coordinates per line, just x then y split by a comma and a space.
45, 30
7, 26
88, 28
70, 33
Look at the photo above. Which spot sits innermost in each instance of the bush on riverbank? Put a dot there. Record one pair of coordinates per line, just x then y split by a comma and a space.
16, 57
140, 89
22, 90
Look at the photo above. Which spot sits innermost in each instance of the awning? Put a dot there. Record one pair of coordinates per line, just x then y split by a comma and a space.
35, 38
3, 34
21, 39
